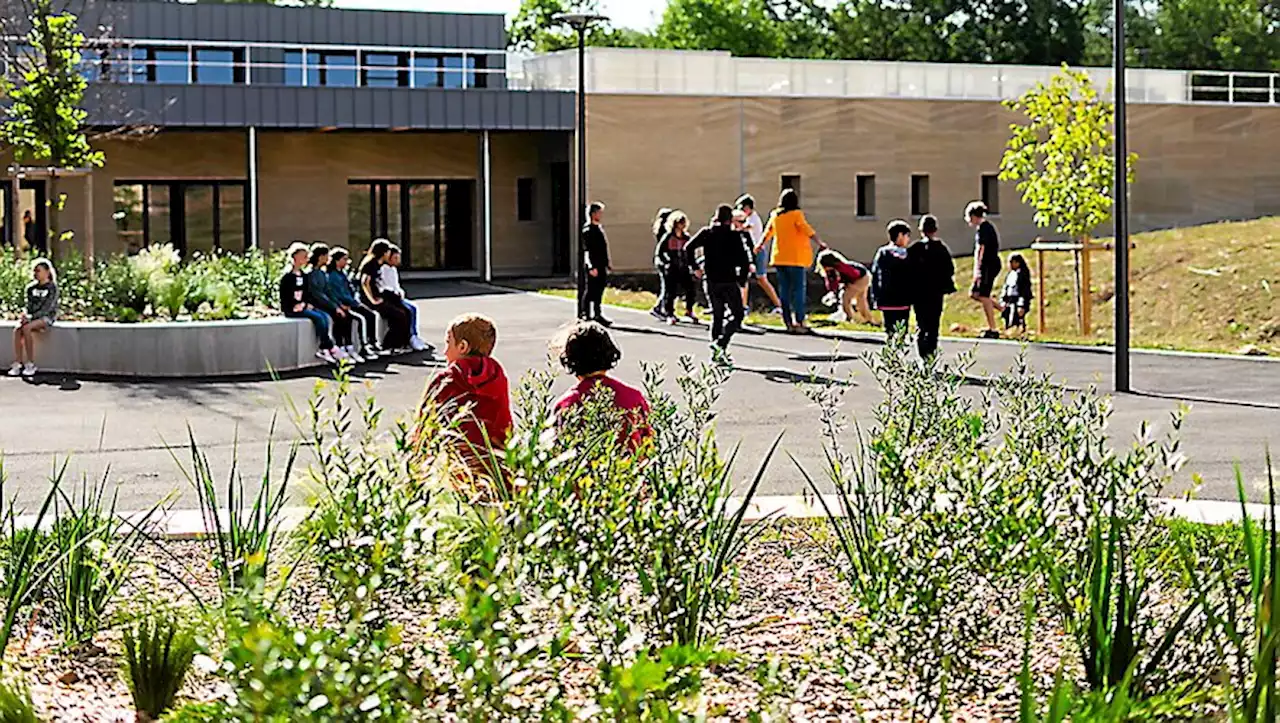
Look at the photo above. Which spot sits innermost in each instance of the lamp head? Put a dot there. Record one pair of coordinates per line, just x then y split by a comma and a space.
579, 21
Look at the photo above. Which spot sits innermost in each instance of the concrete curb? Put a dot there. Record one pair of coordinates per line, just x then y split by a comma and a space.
190, 524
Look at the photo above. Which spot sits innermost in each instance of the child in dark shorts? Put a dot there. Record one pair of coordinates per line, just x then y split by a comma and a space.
986, 264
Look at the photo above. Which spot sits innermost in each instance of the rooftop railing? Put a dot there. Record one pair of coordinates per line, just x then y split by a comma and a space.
622, 71
291, 64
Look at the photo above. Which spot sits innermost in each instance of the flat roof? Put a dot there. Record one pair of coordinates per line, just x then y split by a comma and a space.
679, 72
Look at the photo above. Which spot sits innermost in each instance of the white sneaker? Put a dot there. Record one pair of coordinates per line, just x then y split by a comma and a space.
355, 358
29, 370
416, 344
15, 370
324, 356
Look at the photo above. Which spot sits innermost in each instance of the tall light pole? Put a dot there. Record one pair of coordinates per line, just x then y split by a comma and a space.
581, 23
1122, 381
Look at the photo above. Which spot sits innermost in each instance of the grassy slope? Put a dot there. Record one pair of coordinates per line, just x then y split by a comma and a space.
1205, 288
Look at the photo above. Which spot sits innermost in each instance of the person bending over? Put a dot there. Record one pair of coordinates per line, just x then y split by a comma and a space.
850, 280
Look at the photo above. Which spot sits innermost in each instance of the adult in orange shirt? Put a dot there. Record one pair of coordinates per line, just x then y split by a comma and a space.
793, 239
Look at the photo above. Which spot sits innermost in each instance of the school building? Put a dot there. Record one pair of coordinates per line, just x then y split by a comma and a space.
228, 126
867, 142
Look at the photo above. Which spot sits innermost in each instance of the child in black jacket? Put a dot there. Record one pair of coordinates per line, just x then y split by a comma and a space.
1017, 293
725, 265
935, 278
297, 301
891, 282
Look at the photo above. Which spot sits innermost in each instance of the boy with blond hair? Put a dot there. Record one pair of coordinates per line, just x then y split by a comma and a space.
474, 385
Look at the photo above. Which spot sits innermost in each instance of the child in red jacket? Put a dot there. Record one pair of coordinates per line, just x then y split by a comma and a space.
475, 386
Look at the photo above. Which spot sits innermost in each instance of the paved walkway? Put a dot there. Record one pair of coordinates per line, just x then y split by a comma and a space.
135, 430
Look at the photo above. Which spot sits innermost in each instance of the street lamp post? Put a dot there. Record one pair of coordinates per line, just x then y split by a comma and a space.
581, 23
1122, 381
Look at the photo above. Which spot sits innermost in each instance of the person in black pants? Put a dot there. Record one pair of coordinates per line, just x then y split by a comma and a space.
595, 267
986, 264
891, 283
725, 266
935, 278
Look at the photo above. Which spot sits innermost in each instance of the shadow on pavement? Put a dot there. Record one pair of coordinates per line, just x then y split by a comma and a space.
788, 376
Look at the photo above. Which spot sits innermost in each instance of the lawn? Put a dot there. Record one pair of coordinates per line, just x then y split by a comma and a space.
1204, 288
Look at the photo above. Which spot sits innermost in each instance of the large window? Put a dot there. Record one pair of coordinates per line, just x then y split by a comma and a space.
385, 70
218, 66
194, 216
431, 221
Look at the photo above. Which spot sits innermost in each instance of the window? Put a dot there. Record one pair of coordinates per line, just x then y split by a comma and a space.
919, 194
385, 70
293, 70
426, 71
431, 221
337, 68
991, 193
866, 201
218, 66
197, 216
792, 182
524, 199
167, 66
460, 72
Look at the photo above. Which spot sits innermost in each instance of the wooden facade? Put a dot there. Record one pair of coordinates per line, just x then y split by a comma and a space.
1197, 163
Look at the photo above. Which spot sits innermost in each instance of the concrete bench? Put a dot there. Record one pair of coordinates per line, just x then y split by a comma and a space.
171, 349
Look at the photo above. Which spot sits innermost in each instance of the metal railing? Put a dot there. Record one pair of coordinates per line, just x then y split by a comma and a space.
146, 60
622, 71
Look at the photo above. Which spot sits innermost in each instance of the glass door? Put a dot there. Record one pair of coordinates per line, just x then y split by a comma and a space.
431, 221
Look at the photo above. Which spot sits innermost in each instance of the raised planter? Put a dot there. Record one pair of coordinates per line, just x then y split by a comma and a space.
171, 349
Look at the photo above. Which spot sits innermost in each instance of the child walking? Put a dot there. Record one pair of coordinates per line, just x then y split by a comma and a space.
725, 266
755, 229
1017, 294
38, 316
849, 280
364, 320
390, 282
986, 264
935, 278
891, 279
296, 302
677, 279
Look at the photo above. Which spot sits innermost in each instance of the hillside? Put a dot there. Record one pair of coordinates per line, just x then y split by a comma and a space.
1208, 288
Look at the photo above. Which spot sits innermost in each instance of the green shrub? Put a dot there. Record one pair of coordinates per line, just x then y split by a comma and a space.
119, 289
158, 654
215, 712
15, 703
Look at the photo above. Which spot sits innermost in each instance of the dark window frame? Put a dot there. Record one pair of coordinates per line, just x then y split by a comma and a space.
177, 189
920, 202
992, 199
526, 198
864, 201
400, 68
379, 207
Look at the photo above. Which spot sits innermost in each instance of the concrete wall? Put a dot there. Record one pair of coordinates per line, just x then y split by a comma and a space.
1198, 163
179, 349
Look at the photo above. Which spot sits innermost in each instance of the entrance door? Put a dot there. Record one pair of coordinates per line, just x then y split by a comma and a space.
560, 231
32, 230
431, 221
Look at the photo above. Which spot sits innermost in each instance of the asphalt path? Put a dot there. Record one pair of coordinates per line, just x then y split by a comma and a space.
136, 432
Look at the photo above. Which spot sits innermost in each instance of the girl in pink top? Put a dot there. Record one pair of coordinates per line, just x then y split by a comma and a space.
588, 352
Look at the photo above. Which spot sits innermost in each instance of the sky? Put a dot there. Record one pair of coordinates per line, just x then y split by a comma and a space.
638, 14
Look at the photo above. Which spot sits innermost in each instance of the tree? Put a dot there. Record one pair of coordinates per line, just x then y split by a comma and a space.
745, 28
534, 28
45, 123
1062, 158
1217, 35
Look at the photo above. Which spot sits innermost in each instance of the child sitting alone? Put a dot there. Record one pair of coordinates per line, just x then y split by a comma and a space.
587, 351
38, 316
848, 280
473, 385
1017, 294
